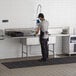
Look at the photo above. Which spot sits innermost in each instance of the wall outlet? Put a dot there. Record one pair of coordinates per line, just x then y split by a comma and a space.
4, 21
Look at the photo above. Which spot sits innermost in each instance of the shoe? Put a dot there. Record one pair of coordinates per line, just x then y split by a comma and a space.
40, 60
43, 60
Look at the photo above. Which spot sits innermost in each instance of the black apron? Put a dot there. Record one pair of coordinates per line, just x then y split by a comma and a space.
44, 46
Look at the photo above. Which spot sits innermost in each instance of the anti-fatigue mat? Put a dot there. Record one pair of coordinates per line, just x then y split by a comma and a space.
33, 63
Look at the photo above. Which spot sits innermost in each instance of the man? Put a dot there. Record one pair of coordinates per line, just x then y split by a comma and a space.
43, 28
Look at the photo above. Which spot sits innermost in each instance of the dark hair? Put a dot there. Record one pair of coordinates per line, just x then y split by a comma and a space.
41, 15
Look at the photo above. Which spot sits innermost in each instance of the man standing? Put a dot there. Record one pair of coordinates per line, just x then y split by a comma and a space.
43, 28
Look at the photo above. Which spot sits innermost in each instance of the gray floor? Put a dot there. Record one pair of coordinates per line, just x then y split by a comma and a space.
50, 70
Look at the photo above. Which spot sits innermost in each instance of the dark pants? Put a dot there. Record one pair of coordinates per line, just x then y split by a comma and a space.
44, 48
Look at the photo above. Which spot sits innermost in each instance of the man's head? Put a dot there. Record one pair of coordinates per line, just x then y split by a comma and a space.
41, 16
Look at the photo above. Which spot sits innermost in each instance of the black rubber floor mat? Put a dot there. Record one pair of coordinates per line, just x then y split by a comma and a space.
32, 63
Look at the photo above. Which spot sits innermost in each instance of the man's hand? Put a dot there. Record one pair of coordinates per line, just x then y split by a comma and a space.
34, 34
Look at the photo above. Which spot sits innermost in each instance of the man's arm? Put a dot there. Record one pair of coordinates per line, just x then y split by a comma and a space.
37, 30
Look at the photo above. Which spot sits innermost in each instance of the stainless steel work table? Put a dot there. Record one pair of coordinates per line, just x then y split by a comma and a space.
31, 36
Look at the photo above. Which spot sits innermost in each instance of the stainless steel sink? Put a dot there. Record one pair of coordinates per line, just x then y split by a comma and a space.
25, 31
